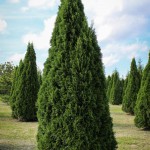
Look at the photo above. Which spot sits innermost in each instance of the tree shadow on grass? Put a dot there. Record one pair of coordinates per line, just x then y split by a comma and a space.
17, 147
145, 129
123, 125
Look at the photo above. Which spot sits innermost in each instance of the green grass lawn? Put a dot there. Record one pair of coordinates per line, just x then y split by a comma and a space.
128, 136
16, 135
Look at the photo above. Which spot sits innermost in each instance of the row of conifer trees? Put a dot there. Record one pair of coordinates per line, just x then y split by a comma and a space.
133, 92
116, 86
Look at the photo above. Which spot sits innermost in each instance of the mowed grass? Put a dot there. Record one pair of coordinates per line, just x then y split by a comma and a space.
16, 135
128, 136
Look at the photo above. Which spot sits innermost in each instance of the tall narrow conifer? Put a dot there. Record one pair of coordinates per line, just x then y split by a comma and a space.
116, 89
28, 87
109, 86
132, 89
73, 110
125, 84
142, 109
15, 89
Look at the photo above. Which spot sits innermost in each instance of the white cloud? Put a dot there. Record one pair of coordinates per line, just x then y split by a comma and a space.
16, 57
117, 22
40, 65
3, 25
14, 1
40, 4
115, 19
24, 9
113, 53
41, 40
99, 12
110, 60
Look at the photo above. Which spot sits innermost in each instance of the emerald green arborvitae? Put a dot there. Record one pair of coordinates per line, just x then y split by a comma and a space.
140, 67
73, 110
125, 84
142, 109
122, 81
108, 82
39, 73
140, 70
13, 90
116, 89
28, 87
133, 85
108, 86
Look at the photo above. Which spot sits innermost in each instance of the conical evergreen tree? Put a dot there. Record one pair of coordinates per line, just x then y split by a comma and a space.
13, 92
15, 89
108, 80
125, 84
122, 81
109, 86
132, 89
116, 90
140, 68
73, 110
28, 88
39, 73
142, 109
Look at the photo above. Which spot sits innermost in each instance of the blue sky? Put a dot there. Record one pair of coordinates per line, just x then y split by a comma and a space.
122, 28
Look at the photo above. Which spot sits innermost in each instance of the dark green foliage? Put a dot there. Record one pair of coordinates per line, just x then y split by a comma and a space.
142, 109
122, 81
5, 98
109, 86
116, 89
25, 88
125, 84
108, 81
39, 73
140, 68
132, 89
73, 110
14, 88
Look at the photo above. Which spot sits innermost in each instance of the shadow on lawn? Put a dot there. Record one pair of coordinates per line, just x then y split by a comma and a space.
21, 147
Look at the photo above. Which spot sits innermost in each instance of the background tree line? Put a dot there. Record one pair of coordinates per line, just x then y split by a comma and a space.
133, 92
